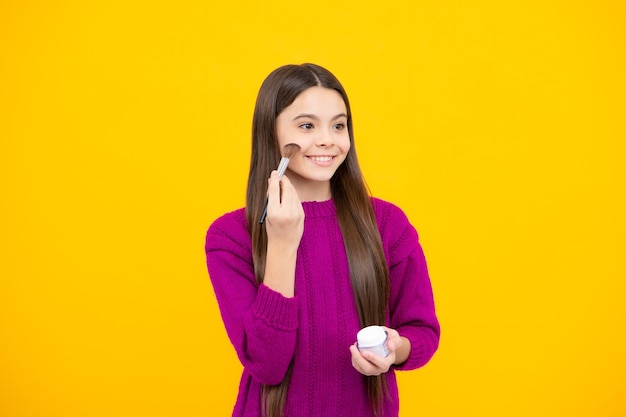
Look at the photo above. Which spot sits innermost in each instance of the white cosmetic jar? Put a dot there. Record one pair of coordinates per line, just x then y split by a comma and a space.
373, 339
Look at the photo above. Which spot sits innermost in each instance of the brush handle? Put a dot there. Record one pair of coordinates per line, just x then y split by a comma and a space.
264, 214
282, 167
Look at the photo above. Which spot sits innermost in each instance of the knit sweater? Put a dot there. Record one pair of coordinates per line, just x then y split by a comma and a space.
315, 328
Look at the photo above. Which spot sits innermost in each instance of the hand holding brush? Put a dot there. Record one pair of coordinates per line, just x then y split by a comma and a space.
289, 150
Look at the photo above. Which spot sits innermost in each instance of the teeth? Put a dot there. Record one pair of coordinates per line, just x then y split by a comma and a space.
321, 158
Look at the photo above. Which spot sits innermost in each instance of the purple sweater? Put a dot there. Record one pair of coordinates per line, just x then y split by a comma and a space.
315, 328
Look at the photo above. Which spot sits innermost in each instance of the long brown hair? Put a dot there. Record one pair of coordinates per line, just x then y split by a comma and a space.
368, 268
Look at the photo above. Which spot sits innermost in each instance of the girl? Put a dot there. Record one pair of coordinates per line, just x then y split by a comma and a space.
329, 259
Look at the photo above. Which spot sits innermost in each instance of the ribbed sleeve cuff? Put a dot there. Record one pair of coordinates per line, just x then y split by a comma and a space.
275, 309
424, 343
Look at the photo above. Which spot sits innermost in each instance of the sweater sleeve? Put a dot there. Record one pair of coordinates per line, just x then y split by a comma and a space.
411, 303
413, 314
261, 323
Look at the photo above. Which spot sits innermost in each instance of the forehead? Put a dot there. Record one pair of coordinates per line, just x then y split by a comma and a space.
319, 101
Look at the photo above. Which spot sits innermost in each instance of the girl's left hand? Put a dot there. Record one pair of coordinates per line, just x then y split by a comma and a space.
371, 364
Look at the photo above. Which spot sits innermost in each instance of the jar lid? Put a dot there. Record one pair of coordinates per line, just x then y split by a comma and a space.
371, 336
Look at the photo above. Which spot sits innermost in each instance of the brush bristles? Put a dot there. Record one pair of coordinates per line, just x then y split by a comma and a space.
290, 150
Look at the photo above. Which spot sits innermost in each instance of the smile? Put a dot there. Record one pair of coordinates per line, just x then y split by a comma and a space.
325, 158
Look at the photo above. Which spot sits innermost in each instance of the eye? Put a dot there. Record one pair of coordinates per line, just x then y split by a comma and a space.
306, 126
339, 126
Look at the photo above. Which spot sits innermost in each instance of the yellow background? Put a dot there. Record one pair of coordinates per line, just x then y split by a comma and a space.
498, 126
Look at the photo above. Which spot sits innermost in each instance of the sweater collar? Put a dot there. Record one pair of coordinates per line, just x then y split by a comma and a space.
319, 208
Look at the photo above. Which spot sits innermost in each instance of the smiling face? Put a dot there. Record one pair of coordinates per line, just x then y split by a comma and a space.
317, 121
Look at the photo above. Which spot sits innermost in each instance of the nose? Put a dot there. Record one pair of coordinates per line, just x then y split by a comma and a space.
325, 139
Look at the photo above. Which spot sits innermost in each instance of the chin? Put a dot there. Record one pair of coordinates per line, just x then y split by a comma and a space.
320, 178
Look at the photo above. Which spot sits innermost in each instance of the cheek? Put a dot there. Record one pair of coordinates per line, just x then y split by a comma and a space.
280, 135
283, 132
346, 145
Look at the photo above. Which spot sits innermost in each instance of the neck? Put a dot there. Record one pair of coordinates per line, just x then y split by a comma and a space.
313, 191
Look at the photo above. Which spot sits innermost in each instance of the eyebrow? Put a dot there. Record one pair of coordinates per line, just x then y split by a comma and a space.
314, 117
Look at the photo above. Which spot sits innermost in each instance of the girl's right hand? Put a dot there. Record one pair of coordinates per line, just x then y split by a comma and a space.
285, 215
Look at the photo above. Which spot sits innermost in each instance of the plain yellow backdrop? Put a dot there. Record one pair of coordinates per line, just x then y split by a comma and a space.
499, 127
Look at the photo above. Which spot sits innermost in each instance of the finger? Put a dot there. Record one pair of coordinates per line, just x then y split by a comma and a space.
273, 188
362, 368
288, 192
376, 360
361, 363
356, 365
391, 332
381, 364
358, 362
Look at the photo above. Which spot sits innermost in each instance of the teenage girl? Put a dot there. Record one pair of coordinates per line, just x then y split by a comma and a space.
326, 261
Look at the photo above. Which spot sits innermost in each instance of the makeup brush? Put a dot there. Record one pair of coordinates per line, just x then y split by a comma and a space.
289, 150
